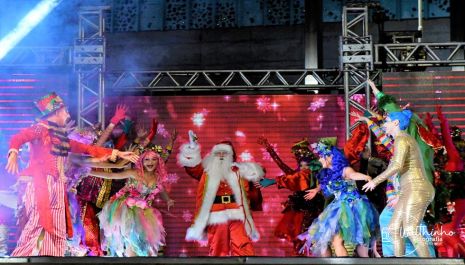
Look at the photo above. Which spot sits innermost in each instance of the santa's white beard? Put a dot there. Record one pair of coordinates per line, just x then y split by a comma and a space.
217, 167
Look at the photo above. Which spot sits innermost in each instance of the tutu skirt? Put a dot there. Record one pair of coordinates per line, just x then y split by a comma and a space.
355, 220
131, 228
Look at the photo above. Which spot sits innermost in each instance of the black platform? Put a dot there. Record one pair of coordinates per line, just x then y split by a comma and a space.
233, 260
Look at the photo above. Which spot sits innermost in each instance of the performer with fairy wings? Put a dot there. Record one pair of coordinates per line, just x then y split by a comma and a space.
93, 192
298, 212
46, 206
130, 222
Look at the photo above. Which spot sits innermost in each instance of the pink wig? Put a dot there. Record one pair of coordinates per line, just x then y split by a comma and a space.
160, 170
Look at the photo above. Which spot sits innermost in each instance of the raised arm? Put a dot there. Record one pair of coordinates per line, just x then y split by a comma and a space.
119, 115
283, 166
169, 147
189, 157
454, 161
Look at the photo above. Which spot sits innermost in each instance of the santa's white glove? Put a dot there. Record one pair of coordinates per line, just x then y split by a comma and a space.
192, 139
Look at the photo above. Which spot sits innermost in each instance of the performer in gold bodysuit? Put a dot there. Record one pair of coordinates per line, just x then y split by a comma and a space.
416, 192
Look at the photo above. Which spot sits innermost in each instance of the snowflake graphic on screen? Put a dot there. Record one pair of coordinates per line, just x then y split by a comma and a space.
317, 104
246, 156
172, 178
358, 98
264, 104
187, 216
199, 117
240, 134
265, 155
161, 130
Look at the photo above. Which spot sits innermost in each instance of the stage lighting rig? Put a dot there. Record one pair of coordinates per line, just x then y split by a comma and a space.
30, 21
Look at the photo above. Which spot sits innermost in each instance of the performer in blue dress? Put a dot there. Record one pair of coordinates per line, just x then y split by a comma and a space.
350, 218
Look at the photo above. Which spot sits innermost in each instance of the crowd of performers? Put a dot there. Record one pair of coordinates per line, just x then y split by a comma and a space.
403, 189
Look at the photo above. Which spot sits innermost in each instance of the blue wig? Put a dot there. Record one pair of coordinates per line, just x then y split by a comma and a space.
338, 163
402, 116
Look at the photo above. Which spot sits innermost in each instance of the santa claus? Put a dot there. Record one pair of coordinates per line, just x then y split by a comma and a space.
223, 215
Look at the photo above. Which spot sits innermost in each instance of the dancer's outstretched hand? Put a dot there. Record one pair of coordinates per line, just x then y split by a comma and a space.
311, 194
128, 156
369, 186
119, 115
359, 117
170, 203
263, 141
12, 165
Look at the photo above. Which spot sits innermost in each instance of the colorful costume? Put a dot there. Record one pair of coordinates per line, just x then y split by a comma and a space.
93, 192
298, 213
426, 140
416, 193
350, 214
450, 198
130, 222
45, 197
223, 212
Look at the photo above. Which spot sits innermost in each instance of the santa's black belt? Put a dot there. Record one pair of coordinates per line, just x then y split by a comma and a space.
225, 199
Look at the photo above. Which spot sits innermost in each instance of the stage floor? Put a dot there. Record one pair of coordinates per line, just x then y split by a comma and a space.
232, 260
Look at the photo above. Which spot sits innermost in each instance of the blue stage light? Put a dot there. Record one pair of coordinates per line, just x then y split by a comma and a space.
40, 11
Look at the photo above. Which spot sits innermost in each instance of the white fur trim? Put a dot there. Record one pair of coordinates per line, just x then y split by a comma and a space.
224, 216
188, 156
222, 147
250, 171
205, 217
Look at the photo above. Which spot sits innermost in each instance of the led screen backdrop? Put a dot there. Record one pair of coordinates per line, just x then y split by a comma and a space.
283, 119
242, 119
425, 90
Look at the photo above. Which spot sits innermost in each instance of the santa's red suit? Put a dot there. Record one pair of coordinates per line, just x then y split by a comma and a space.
223, 215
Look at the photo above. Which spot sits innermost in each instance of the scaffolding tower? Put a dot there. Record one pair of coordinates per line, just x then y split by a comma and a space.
89, 65
356, 59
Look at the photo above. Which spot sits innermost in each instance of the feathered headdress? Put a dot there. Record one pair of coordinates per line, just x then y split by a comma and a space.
323, 147
301, 149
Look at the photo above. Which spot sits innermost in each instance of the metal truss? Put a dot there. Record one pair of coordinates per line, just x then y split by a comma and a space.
89, 64
356, 59
38, 57
420, 54
143, 82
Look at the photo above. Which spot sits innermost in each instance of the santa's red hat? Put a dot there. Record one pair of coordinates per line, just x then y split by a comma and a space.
225, 146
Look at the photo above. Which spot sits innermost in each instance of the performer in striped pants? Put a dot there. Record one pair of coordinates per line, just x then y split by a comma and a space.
45, 202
